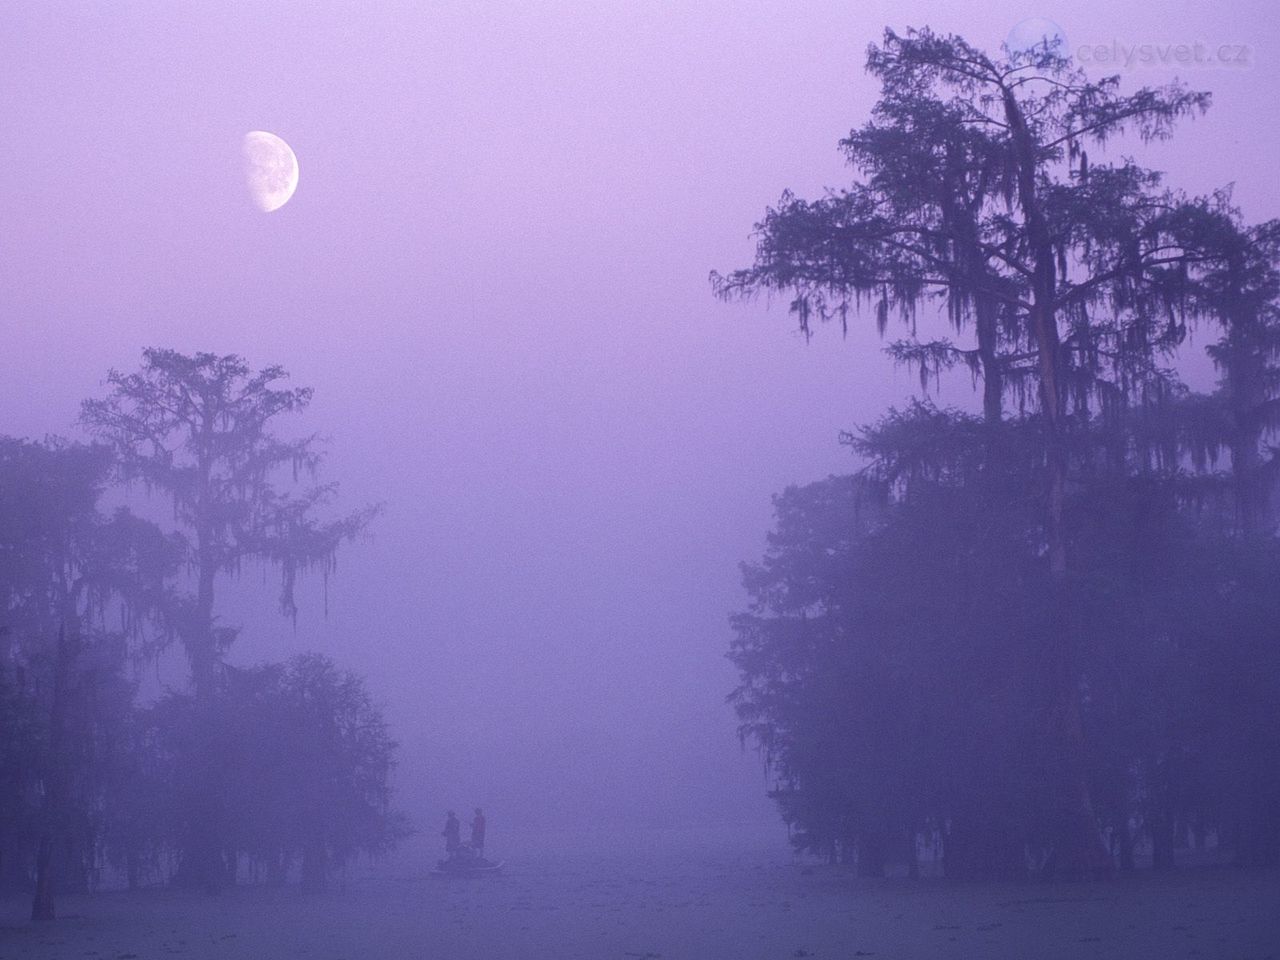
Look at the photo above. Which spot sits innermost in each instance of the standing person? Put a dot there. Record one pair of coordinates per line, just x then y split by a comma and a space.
477, 831
452, 834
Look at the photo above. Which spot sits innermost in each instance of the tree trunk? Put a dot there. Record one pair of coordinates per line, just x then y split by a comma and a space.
52, 812
988, 352
200, 644
1126, 847
203, 866
1078, 850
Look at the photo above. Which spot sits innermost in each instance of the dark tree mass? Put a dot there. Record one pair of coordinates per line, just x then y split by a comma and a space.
1016, 634
255, 772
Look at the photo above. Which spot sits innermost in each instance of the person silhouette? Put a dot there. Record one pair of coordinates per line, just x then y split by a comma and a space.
452, 833
477, 831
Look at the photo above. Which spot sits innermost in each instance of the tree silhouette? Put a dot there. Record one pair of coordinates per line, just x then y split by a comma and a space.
199, 429
75, 587
1002, 215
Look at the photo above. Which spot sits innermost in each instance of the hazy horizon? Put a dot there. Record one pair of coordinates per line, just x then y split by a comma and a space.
494, 274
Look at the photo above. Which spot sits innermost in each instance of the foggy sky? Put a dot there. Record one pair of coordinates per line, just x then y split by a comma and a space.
494, 274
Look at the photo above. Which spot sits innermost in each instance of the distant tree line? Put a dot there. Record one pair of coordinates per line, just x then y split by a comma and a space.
260, 773
1046, 634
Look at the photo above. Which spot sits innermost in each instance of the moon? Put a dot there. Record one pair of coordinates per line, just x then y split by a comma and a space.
271, 170
1029, 36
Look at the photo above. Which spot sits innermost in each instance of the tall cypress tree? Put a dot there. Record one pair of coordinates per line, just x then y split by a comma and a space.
200, 429
1047, 240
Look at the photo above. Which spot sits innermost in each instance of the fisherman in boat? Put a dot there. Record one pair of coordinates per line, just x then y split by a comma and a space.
466, 859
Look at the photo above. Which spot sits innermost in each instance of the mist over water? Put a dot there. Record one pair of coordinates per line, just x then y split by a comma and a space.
494, 274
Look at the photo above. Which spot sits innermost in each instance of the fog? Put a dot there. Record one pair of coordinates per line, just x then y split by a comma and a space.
494, 273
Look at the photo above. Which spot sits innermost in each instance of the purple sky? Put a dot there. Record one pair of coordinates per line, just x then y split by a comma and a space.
494, 273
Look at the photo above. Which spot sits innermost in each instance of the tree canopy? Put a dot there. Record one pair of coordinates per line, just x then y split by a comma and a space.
1028, 532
